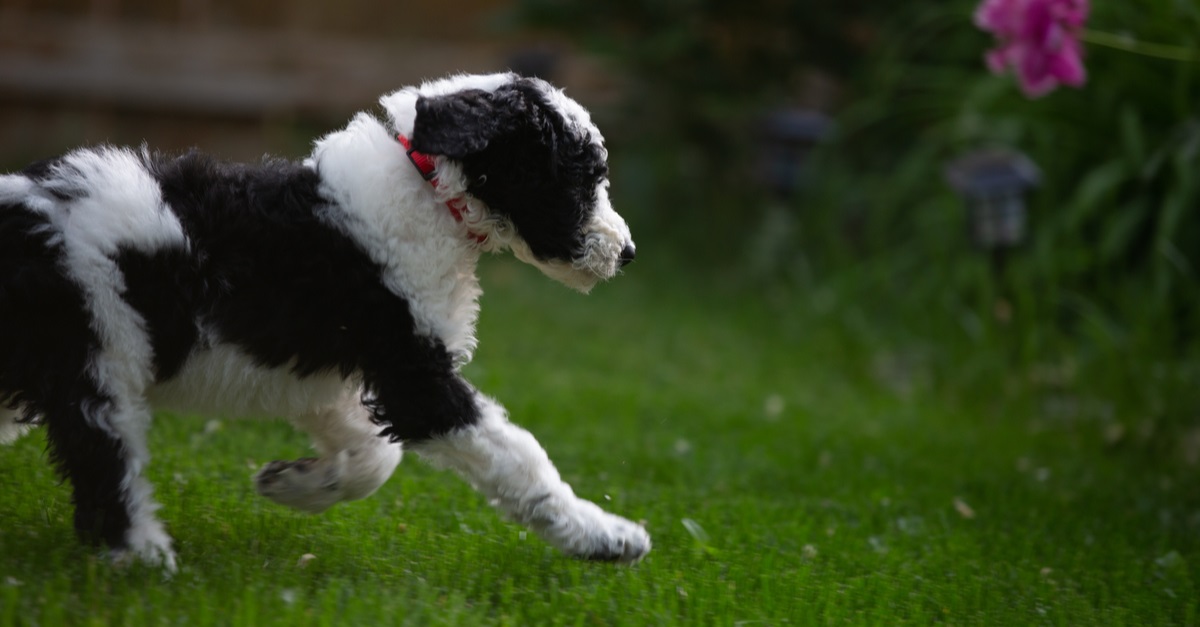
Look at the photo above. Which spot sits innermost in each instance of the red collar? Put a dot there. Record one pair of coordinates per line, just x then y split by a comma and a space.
424, 164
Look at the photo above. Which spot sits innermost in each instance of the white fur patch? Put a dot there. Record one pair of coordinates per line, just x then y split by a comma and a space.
147, 538
394, 216
224, 381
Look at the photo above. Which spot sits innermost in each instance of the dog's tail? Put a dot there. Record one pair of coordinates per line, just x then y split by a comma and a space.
14, 189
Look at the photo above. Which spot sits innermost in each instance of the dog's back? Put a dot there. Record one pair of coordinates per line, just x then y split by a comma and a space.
171, 257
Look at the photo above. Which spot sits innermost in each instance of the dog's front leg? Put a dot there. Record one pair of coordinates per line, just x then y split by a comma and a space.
506, 464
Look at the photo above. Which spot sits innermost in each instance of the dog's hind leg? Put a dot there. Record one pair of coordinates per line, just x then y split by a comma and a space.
77, 356
506, 464
98, 444
354, 460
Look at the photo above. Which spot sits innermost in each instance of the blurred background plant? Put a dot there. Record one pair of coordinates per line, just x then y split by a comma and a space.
1106, 278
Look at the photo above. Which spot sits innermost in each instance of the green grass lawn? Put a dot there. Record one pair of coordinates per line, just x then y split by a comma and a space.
794, 463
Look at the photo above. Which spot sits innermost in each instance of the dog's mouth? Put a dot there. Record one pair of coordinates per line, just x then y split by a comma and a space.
607, 248
603, 256
598, 261
601, 248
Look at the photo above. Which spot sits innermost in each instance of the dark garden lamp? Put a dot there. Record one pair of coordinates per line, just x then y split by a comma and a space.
994, 184
787, 137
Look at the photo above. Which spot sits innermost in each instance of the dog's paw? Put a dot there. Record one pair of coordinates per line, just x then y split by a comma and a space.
309, 485
149, 545
623, 541
123, 558
588, 532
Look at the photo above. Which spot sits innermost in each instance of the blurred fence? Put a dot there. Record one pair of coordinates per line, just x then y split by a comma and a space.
235, 78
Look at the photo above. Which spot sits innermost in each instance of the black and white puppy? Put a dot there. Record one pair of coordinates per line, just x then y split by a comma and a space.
339, 292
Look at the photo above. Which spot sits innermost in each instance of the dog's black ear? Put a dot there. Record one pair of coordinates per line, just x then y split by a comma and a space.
464, 123
458, 124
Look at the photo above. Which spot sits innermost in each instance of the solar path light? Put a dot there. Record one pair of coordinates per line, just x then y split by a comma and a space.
994, 184
787, 138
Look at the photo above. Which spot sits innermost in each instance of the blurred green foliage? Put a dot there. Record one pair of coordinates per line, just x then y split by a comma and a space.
1107, 279
699, 73
1116, 218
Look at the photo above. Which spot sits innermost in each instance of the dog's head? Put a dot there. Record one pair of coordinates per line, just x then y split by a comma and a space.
532, 167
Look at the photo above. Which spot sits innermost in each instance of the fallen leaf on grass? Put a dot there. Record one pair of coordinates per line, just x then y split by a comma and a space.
1114, 433
1170, 561
773, 406
698, 534
963, 509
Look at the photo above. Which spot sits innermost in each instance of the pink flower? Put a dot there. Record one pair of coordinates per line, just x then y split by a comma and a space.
1038, 40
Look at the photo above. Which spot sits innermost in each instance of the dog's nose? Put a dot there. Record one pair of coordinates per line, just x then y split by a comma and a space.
627, 254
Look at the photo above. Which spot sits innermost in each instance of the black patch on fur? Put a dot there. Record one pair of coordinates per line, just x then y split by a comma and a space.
269, 271
46, 347
93, 461
422, 401
161, 286
45, 335
521, 158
